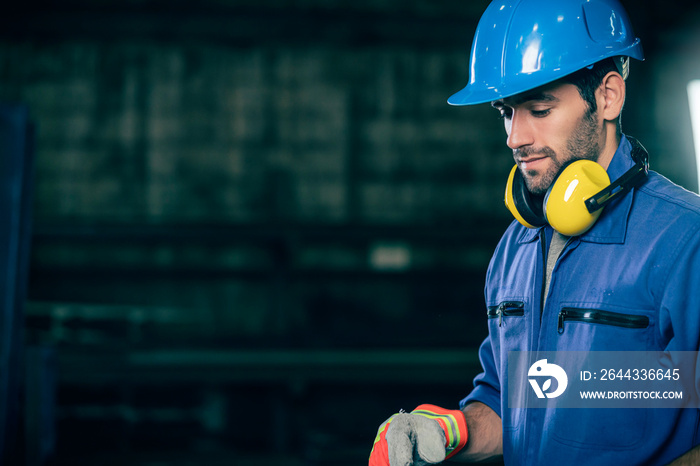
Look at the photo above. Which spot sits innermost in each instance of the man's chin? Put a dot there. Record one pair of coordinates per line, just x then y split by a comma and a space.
536, 185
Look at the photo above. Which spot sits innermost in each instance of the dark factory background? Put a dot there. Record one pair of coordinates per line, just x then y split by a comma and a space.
247, 231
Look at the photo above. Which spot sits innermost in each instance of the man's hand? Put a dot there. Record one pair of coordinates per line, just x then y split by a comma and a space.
427, 435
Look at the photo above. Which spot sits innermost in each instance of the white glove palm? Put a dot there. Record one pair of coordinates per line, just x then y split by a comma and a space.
415, 440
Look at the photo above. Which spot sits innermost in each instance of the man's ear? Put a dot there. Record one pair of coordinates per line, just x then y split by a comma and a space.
612, 96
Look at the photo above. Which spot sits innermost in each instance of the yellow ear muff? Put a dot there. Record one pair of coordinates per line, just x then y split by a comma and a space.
525, 208
510, 202
564, 203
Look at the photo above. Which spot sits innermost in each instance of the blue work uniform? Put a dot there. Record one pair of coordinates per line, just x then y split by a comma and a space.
641, 261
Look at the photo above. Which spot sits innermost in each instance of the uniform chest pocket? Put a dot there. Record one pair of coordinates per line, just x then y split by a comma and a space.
596, 316
508, 324
508, 330
602, 330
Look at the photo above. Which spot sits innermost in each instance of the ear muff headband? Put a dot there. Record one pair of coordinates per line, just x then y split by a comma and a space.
632, 177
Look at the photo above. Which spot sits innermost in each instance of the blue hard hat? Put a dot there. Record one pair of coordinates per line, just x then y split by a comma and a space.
523, 44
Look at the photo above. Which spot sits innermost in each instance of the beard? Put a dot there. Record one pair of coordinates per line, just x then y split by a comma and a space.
583, 144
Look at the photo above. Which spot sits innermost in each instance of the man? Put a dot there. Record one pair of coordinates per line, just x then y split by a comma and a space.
618, 272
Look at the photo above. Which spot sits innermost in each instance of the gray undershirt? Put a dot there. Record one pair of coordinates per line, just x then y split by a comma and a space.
556, 246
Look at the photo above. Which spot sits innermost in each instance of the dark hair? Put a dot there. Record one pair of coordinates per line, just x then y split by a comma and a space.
588, 80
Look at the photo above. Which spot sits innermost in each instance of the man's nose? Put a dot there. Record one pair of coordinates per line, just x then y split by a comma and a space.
519, 131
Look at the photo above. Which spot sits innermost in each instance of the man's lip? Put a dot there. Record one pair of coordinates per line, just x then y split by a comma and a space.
531, 159
526, 163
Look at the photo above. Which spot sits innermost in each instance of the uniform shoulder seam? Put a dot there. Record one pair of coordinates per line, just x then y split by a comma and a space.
670, 199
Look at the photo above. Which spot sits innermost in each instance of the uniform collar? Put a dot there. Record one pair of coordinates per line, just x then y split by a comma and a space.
611, 226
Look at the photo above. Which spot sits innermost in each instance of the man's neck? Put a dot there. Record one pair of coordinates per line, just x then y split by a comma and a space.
611, 143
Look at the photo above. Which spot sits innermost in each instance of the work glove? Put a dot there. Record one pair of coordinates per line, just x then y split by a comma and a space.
427, 435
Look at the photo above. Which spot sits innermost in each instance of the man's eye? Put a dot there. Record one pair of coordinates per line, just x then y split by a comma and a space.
540, 113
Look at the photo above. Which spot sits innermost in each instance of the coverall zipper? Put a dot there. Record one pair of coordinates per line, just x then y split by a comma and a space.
596, 316
506, 309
